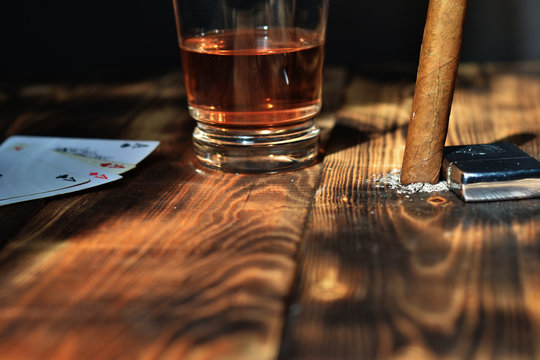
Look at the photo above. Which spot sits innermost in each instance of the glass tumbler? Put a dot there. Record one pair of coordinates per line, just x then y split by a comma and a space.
253, 76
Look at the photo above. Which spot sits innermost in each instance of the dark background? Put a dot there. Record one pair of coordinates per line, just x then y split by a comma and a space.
58, 39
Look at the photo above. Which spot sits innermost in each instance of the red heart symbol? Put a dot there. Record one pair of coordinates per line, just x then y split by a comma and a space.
98, 176
112, 166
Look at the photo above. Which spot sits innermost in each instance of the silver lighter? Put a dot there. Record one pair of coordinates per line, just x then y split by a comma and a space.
490, 172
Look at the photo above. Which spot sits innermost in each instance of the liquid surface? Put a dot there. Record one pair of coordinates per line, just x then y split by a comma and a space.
253, 77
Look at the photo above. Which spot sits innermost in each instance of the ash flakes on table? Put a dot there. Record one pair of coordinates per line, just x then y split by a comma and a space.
392, 181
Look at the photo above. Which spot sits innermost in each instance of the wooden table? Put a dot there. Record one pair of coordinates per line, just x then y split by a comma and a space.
179, 262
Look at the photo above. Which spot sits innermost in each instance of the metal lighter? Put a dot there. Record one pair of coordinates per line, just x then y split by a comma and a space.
490, 172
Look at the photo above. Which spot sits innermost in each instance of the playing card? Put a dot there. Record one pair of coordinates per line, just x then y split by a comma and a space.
123, 151
21, 175
111, 166
67, 165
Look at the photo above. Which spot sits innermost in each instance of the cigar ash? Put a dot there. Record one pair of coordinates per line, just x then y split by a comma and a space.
392, 181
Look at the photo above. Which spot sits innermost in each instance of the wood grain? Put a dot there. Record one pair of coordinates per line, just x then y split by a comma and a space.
64, 109
174, 261
386, 274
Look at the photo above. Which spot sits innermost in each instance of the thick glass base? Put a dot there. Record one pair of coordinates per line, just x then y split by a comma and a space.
256, 150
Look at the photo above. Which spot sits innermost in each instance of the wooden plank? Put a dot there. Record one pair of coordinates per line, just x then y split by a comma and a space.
173, 261
21, 105
66, 110
387, 274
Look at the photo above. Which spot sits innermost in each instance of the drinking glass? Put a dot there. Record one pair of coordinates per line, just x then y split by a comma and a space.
253, 75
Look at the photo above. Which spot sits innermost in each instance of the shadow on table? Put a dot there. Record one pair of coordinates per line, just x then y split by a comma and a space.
421, 274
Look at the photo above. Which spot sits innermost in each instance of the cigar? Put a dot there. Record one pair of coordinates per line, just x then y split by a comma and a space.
437, 69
